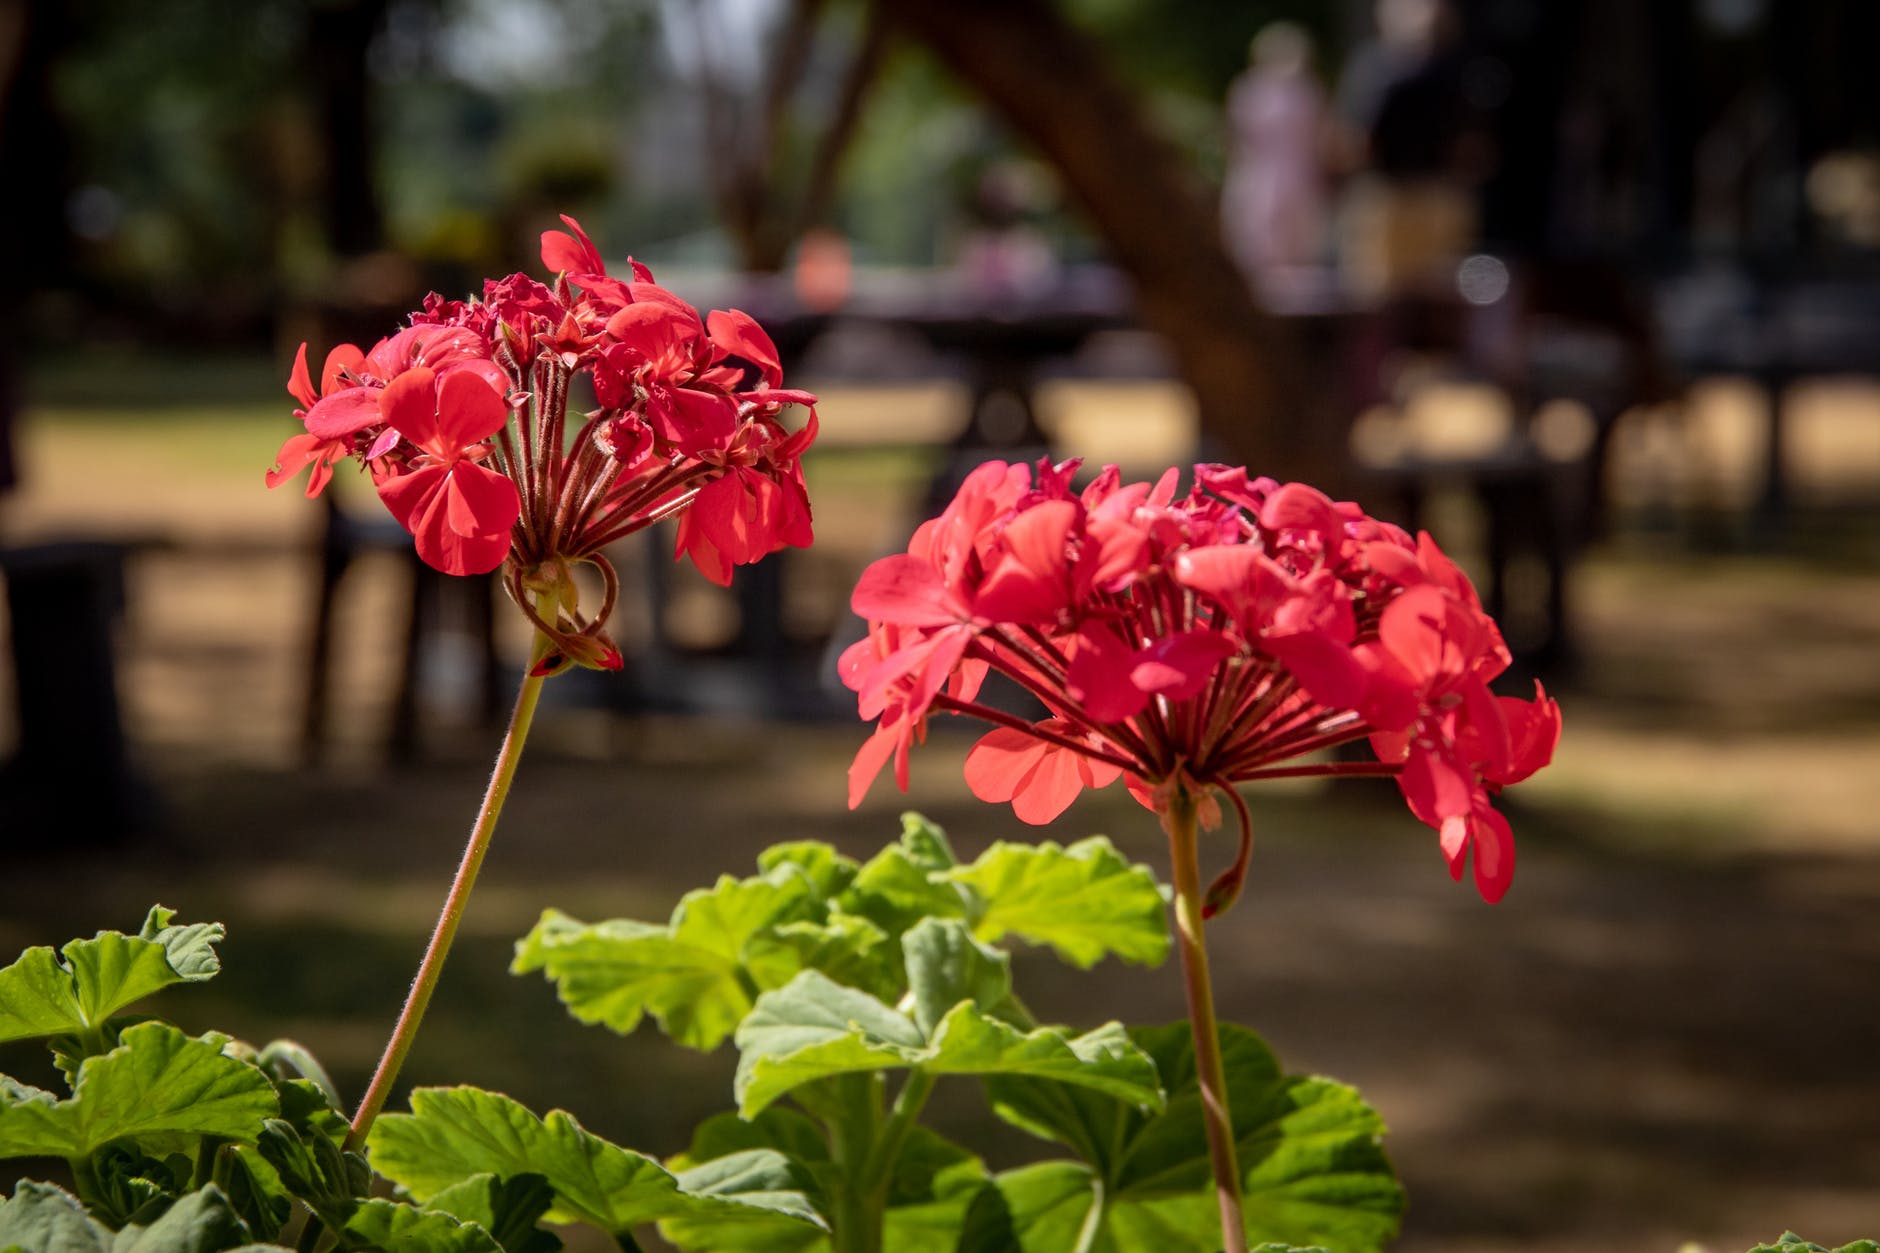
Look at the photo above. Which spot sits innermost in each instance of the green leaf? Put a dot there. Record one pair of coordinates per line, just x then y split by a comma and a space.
315, 1169
688, 975
1314, 1171
792, 1134
848, 948
986, 1227
289, 1062
613, 972
40, 995
931, 1182
202, 1222
506, 1208
796, 1140
1792, 1243
815, 1029
40, 1217
967, 1042
334, 1182
37, 997
1085, 901
1045, 1208
768, 1187
159, 1087
254, 1188
455, 1133
827, 870
310, 1110
722, 918
388, 1227
925, 843
946, 965
191, 948
43, 1219
130, 1186
905, 882
934, 1224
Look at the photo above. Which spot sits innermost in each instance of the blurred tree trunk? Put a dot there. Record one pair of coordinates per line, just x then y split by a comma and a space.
1055, 89
339, 37
764, 209
33, 37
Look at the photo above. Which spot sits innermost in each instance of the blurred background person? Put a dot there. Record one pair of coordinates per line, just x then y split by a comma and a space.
1004, 253
1416, 147
1273, 202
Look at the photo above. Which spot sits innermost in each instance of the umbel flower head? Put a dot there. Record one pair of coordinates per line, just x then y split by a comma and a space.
1188, 643
462, 420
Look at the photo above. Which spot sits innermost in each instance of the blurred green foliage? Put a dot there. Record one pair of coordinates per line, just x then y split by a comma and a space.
199, 158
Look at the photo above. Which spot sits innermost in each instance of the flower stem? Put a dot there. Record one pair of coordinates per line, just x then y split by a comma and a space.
1179, 821
886, 1154
439, 948
854, 1131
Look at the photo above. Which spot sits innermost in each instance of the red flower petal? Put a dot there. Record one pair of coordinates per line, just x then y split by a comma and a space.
1040, 778
693, 421
1053, 785
926, 664
299, 385
737, 333
796, 445
1534, 729
1413, 628
1296, 507
736, 513
705, 556
1436, 788
907, 591
468, 411
491, 373
562, 254
409, 404
1324, 667
1453, 837
443, 548
345, 411
1391, 697
869, 759
998, 765
1494, 854
407, 495
462, 554
479, 502
293, 457
1031, 582
1180, 666
659, 331
344, 359
1099, 677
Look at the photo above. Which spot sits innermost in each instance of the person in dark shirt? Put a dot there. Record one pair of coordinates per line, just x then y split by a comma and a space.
1417, 145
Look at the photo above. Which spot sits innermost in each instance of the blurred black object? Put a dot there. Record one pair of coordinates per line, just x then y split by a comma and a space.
71, 782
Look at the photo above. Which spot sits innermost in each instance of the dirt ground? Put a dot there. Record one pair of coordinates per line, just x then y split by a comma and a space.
1668, 1032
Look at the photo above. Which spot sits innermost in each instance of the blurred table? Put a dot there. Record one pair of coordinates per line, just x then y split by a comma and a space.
71, 780
1774, 328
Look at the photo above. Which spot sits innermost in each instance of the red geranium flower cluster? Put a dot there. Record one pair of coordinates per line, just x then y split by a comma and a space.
462, 419
1194, 642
